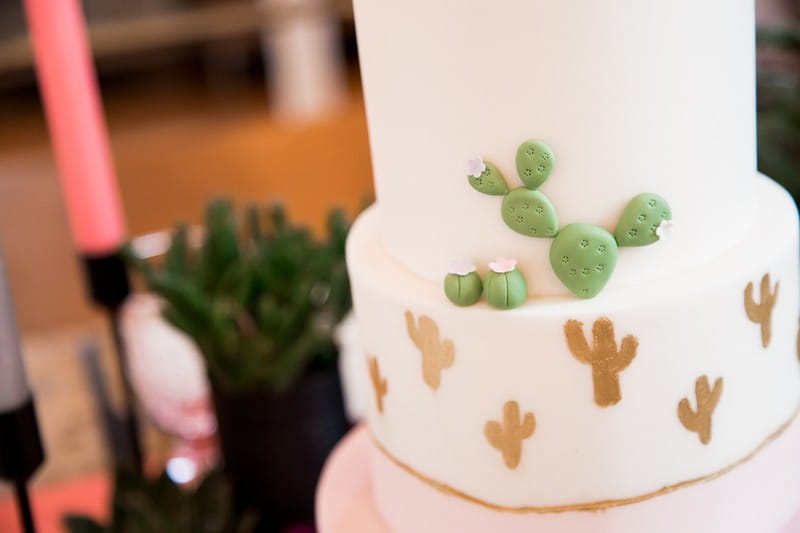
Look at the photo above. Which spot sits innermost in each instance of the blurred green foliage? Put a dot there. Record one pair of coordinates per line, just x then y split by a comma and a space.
261, 297
141, 505
779, 106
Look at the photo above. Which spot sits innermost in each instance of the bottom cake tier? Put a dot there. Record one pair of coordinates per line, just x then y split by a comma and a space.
760, 495
584, 408
346, 502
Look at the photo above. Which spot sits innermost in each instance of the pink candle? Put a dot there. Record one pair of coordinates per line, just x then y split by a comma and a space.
77, 126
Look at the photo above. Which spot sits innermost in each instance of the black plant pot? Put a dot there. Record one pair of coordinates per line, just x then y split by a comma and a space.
274, 446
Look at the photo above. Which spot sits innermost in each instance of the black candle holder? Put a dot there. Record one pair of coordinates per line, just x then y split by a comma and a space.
109, 286
21, 454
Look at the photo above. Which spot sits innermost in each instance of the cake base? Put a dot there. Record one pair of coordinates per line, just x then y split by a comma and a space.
345, 502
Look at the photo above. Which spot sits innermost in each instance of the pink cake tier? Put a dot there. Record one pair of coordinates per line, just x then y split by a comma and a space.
346, 503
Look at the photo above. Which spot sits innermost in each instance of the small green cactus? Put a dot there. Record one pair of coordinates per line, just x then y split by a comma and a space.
463, 286
530, 213
490, 181
583, 257
535, 162
505, 286
640, 220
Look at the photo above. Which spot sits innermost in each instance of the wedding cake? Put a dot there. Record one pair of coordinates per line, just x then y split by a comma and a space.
578, 299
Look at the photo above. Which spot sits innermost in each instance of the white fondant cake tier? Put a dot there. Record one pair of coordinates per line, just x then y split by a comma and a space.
633, 96
581, 455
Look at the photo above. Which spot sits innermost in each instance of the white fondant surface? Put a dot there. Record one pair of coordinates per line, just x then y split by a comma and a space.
689, 323
633, 96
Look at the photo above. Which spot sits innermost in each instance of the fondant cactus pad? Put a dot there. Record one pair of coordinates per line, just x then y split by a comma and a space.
490, 181
640, 220
530, 213
535, 162
583, 257
463, 290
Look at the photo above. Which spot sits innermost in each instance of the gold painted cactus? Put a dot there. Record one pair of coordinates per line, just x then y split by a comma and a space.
707, 399
507, 436
437, 354
379, 384
761, 313
606, 359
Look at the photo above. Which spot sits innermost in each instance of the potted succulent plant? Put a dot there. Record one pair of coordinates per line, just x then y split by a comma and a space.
261, 299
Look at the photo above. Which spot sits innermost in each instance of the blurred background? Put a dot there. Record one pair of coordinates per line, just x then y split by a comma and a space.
255, 100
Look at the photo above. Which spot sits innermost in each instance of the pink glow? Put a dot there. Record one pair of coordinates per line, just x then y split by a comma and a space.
77, 126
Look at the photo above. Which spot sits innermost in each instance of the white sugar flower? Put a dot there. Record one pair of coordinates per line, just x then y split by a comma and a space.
476, 167
502, 265
461, 267
664, 229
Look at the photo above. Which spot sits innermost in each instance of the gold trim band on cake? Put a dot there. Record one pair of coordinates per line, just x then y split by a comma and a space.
594, 506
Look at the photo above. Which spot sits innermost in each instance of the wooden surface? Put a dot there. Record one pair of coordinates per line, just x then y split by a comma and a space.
175, 147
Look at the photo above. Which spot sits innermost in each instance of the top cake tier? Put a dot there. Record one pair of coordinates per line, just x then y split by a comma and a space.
632, 96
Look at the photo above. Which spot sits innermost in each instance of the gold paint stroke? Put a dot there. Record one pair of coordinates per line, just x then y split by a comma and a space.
593, 506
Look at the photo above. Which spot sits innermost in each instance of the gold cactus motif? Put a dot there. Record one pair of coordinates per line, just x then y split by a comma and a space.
707, 399
606, 359
379, 384
507, 436
761, 313
437, 354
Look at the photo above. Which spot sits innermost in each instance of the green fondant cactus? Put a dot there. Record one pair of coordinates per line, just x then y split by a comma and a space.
505, 286
583, 257
530, 213
489, 181
535, 162
463, 286
642, 220
525, 210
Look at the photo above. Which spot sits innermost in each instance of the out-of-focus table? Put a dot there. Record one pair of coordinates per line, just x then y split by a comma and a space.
86, 495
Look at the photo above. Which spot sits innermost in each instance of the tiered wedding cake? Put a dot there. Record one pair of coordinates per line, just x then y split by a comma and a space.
582, 382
